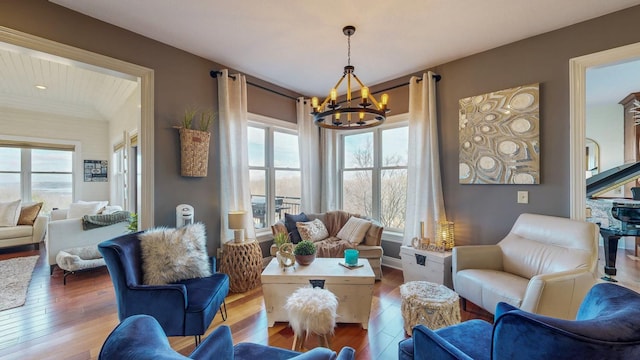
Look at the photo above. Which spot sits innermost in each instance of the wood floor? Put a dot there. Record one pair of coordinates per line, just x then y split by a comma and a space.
72, 321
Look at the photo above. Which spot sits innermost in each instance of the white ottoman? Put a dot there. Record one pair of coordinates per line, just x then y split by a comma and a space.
311, 310
429, 304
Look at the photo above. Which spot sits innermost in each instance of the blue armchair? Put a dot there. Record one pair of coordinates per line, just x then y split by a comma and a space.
140, 337
607, 326
183, 308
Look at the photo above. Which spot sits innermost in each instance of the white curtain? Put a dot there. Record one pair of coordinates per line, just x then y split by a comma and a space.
330, 181
235, 194
424, 187
310, 158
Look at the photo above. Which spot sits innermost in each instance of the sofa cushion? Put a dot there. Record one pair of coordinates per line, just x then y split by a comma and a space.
9, 213
354, 230
313, 230
487, 288
80, 209
12, 232
29, 213
170, 255
290, 221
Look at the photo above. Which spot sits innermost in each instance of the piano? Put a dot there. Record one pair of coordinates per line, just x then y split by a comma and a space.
623, 217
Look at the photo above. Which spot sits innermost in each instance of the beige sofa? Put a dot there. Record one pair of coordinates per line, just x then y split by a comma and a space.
66, 233
370, 248
545, 265
24, 234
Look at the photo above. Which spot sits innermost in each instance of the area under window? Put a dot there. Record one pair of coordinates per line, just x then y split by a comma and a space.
374, 174
274, 172
37, 175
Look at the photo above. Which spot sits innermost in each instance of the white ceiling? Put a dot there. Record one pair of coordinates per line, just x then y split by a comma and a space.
72, 88
300, 45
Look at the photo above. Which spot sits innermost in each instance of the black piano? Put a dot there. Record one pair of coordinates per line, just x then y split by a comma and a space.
627, 212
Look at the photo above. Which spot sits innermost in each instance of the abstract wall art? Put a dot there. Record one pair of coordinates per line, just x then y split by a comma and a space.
499, 137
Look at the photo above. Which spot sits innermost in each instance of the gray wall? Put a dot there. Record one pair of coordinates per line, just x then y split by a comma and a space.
483, 213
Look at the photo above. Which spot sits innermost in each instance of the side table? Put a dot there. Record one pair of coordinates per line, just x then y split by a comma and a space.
423, 265
243, 263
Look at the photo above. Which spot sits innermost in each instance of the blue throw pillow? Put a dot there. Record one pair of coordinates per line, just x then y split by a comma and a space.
290, 222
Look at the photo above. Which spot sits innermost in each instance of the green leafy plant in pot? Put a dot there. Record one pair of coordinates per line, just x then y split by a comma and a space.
305, 252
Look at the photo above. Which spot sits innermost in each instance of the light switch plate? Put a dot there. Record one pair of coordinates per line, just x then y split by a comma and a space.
523, 197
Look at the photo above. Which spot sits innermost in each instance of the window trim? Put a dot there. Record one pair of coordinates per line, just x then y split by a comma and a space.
395, 121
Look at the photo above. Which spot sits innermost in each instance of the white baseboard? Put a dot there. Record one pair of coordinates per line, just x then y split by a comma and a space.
392, 262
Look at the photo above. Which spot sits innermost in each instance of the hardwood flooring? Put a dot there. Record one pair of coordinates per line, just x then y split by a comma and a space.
72, 321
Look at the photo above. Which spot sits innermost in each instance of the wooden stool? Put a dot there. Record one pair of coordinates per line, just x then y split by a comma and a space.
311, 310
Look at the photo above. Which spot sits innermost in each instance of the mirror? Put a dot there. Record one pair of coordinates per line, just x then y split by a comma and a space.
592, 157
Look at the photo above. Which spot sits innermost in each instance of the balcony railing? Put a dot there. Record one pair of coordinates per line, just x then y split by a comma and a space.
283, 204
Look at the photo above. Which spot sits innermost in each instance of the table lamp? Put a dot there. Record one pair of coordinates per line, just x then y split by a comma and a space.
445, 235
236, 223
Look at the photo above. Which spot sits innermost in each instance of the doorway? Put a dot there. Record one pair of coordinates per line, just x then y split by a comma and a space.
146, 79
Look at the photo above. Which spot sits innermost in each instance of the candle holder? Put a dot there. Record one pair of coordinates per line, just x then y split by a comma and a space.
446, 235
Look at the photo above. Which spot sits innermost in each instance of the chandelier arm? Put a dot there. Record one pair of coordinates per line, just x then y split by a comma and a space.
370, 97
326, 100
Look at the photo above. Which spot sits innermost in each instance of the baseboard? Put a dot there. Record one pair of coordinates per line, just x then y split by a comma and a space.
392, 262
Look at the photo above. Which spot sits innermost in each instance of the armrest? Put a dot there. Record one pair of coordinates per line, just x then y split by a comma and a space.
425, 339
40, 228
58, 214
217, 345
476, 257
558, 294
145, 298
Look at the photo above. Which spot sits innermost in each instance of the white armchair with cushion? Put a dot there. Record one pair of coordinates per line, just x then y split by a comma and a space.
545, 265
66, 233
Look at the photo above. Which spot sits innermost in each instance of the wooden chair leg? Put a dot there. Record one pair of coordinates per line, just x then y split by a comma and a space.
324, 341
298, 342
464, 303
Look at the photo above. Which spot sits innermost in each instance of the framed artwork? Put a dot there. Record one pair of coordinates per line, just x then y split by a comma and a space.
96, 170
499, 137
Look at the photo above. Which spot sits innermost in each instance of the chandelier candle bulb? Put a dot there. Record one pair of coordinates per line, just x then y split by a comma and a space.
365, 94
334, 95
314, 103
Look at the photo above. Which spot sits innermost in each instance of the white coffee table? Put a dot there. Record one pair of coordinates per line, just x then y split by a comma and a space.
353, 287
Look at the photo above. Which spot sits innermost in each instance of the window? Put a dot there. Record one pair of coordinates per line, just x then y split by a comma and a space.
374, 174
274, 171
38, 175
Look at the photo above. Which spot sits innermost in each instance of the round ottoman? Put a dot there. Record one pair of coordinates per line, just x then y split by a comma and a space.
429, 304
311, 310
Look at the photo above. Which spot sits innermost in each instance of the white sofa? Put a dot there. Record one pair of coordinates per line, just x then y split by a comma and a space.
545, 265
24, 234
66, 233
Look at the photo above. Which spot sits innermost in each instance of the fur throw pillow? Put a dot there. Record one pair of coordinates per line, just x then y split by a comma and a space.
170, 255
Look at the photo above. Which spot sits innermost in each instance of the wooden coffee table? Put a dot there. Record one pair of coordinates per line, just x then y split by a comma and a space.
353, 287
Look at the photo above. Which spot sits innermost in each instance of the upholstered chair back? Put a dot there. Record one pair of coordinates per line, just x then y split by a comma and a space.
539, 244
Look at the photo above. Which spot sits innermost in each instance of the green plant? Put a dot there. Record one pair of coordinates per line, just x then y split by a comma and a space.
305, 247
206, 118
189, 115
133, 223
280, 238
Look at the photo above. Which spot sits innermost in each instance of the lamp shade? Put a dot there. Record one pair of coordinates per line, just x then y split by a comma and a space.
236, 219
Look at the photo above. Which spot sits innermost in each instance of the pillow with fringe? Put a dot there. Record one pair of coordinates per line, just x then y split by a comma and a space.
170, 255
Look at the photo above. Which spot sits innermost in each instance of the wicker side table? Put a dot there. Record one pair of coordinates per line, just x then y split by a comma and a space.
430, 304
243, 263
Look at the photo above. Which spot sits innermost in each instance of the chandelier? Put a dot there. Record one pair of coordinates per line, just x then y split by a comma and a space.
369, 112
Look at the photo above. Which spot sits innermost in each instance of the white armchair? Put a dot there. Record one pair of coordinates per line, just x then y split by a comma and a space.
545, 265
66, 233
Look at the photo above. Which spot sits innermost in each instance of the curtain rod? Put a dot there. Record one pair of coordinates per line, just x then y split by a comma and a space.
214, 74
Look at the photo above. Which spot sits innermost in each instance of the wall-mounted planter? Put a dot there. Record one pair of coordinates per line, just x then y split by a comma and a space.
194, 152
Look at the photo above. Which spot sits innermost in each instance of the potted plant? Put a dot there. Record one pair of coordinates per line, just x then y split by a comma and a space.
194, 141
305, 252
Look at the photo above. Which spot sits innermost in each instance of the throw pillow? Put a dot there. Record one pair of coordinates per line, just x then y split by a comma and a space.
290, 221
9, 213
80, 209
354, 230
312, 230
170, 255
29, 213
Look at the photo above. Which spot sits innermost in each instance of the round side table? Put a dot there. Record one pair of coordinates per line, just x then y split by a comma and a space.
243, 263
430, 304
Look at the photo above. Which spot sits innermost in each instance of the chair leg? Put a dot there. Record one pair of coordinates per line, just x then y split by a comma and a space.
198, 340
464, 303
298, 342
223, 314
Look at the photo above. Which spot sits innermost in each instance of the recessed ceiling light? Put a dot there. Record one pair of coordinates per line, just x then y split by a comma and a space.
41, 87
